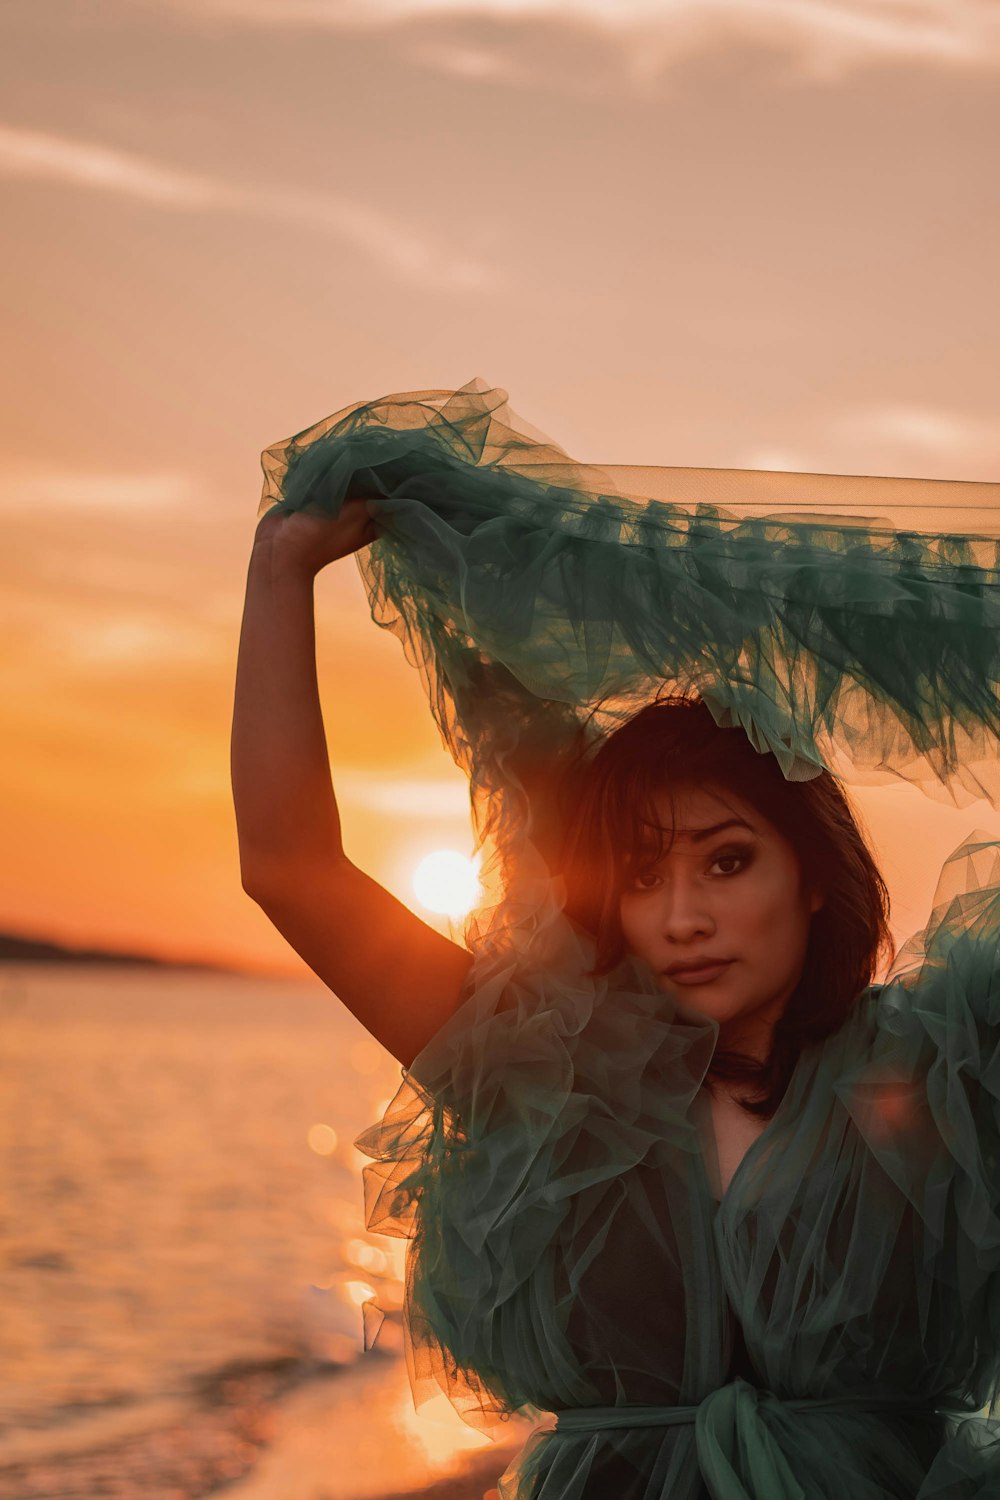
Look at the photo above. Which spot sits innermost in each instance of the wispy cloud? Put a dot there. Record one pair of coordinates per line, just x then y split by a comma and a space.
79, 492
825, 38
466, 61
406, 796
41, 157
81, 616
898, 439
128, 639
407, 254
784, 460
931, 431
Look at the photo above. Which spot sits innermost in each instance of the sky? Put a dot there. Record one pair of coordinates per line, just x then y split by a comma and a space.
721, 233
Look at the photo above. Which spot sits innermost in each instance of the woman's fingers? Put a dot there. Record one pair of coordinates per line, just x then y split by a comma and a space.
312, 540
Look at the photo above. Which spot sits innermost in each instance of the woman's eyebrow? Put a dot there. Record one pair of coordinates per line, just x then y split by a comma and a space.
698, 835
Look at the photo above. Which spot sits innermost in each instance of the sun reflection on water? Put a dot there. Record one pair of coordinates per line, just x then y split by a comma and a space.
436, 1429
358, 1291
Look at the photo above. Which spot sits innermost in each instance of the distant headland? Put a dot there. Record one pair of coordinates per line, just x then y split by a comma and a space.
19, 949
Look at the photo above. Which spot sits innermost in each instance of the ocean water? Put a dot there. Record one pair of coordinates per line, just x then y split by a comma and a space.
180, 1195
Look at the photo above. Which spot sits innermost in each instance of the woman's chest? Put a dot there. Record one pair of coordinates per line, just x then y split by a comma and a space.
734, 1131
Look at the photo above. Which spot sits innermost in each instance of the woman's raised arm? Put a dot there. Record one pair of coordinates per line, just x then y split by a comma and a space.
400, 977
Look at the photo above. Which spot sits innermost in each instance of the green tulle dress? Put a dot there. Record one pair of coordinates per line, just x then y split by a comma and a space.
831, 1327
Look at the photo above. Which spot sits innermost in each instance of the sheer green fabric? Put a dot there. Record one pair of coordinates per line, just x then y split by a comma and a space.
832, 1324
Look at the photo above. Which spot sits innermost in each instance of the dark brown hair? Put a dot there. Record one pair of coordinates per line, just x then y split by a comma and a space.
607, 817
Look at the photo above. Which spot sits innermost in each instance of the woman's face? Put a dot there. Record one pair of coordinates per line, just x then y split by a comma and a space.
731, 894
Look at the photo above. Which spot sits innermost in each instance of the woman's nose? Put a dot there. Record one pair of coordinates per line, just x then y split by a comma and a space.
684, 915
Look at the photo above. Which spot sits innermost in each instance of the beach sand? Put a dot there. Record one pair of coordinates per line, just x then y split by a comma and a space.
343, 1434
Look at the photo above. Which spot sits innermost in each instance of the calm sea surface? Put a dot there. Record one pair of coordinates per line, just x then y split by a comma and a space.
179, 1189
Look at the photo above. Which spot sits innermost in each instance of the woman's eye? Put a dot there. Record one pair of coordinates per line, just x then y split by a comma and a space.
737, 860
643, 876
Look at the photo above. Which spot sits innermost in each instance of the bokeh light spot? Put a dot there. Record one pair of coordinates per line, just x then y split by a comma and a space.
322, 1139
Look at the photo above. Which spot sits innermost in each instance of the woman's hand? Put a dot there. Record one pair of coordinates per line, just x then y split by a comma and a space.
309, 541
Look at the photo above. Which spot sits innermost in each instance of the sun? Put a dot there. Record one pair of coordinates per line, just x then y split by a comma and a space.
447, 882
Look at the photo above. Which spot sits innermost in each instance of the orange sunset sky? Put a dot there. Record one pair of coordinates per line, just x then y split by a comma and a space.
704, 233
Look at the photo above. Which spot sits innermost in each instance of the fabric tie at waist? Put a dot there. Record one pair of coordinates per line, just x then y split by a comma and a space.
740, 1458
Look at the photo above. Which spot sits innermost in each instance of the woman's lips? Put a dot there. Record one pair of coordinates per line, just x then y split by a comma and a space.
699, 976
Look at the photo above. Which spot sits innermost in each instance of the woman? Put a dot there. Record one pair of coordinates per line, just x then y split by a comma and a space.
739, 1229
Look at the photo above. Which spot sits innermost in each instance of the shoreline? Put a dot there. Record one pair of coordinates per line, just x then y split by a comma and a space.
362, 1440
346, 1432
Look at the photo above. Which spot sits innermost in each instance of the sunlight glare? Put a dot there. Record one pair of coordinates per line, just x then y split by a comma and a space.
447, 882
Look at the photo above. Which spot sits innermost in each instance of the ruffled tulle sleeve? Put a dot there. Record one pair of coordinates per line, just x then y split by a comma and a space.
519, 1118
925, 1097
928, 1098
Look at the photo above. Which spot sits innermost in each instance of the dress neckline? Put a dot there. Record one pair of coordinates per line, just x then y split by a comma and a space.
706, 1129
807, 1063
